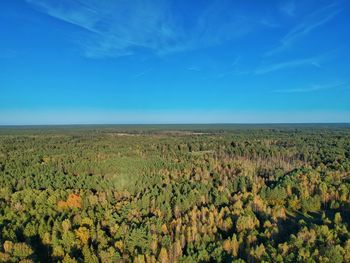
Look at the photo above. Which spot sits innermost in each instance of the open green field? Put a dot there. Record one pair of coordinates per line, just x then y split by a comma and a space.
175, 193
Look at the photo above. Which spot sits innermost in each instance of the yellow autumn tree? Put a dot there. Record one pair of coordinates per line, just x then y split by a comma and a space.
8, 246
234, 245
163, 256
227, 246
83, 234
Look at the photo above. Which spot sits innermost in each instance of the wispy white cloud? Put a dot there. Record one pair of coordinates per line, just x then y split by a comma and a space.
312, 61
115, 28
267, 22
236, 61
121, 27
234, 69
311, 88
288, 7
306, 26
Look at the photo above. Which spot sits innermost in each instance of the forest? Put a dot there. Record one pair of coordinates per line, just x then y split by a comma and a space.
175, 193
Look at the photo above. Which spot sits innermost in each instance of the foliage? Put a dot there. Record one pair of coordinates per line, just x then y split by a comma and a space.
175, 194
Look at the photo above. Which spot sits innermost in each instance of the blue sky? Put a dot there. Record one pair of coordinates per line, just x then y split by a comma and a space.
185, 61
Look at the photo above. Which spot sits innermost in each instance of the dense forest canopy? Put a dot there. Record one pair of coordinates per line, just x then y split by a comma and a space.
175, 193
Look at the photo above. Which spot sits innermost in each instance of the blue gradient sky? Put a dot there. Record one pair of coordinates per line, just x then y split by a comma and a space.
185, 61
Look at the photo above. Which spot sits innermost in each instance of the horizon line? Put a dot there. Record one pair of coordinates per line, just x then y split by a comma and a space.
161, 124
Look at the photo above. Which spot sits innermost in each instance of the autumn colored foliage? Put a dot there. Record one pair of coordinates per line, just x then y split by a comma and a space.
73, 201
194, 194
